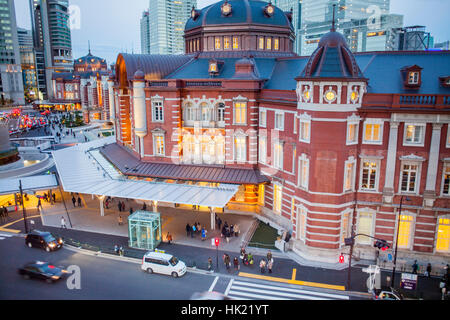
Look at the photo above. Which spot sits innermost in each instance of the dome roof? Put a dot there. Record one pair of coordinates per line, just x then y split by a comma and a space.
90, 59
242, 12
332, 59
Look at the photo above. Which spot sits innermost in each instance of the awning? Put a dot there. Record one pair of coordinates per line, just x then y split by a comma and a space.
31, 183
83, 169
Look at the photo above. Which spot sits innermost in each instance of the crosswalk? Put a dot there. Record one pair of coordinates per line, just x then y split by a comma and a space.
3, 236
245, 290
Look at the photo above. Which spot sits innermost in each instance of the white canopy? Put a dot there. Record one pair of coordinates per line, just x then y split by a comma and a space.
31, 183
83, 169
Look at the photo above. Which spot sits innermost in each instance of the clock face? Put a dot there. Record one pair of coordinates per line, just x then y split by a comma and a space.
330, 96
226, 8
270, 9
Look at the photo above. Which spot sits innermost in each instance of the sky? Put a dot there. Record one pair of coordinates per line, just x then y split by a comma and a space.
113, 26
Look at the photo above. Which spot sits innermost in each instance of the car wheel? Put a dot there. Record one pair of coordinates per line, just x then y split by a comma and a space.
29, 245
174, 274
149, 270
47, 249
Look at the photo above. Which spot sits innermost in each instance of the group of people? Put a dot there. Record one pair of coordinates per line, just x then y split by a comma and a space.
228, 231
3, 212
76, 201
196, 228
246, 259
118, 250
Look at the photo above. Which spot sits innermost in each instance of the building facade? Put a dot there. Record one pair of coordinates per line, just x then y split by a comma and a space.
11, 86
145, 33
167, 19
52, 41
319, 145
28, 64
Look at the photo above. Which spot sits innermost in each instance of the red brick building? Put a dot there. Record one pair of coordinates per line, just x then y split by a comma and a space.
319, 145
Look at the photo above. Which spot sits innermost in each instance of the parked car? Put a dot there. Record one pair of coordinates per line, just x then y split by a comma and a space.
160, 262
44, 240
388, 295
42, 270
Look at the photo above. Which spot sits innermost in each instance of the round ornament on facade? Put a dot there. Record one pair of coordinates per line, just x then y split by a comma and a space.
306, 95
330, 96
354, 96
226, 9
269, 10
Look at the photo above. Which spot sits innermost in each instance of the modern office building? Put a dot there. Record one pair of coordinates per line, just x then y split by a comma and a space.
52, 41
28, 63
11, 86
414, 38
317, 16
442, 45
167, 20
145, 33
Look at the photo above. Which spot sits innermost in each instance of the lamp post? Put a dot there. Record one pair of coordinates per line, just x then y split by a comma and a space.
23, 207
396, 240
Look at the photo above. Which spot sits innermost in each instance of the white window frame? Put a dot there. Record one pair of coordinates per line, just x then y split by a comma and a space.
220, 112
304, 119
347, 228
352, 161
262, 118
244, 148
295, 124
278, 154
277, 125
415, 77
155, 146
303, 181
352, 121
155, 107
373, 122
262, 149
444, 168
418, 176
377, 174
365, 240
240, 101
421, 142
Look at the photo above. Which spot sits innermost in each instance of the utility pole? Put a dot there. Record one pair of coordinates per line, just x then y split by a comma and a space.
23, 207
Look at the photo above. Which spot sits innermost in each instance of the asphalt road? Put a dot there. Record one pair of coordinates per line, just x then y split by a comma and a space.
100, 278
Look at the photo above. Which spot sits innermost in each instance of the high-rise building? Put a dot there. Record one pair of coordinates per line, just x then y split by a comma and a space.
414, 38
167, 20
52, 40
145, 33
11, 87
317, 15
28, 64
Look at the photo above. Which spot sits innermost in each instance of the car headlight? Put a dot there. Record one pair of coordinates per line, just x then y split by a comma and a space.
51, 245
55, 277
64, 271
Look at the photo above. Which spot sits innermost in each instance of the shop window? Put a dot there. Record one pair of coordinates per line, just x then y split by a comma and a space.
446, 180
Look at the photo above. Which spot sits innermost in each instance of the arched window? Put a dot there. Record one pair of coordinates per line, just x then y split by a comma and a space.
189, 112
206, 111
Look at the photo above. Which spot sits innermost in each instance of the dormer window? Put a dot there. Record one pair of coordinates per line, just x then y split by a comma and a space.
445, 81
226, 9
269, 10
194, 13
412, 77
214, 67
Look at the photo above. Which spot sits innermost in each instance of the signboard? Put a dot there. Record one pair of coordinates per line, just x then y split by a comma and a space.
409, 281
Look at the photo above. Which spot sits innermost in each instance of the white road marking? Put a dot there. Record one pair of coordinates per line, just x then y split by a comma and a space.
213, 284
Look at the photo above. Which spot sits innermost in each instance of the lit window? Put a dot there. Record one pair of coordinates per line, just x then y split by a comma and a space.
365, 226
446, 178
190, 112
303, 172
262, 118
414, 134
261, 194
443, 236
345, 226
235, 43
206, 112
409, 177
158, 142
277, 198
306, 95
301, 223
278, 155
373, 132
352, 133
262, 149
305, 129
349, 176
240, 112
276, 44
413, 77
369, 175
279, 121
157, 111
240, 148
404, 231
269, 44
213, 67
261, 43
217, 43
226, 43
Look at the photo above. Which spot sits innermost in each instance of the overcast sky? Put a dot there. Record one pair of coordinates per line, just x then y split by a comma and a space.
112, 26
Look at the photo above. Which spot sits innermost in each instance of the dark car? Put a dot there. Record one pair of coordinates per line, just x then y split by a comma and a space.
44, 240
42, 270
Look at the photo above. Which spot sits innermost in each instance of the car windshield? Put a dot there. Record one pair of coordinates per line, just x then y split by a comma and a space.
49, 238
173, 261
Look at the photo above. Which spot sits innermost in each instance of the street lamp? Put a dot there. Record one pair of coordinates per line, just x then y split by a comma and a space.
396, 240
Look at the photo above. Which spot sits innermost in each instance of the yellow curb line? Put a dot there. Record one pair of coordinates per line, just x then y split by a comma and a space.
9, 230
292, 281
10, 223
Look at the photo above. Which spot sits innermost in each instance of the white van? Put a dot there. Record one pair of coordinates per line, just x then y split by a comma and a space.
160, 262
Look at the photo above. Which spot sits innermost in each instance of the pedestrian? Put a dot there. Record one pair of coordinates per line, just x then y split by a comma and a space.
39, 204
131, 211
193, 230
270, 265
236, 263
54, 197
242, 253
119, 205
210, 262
262, 265
144, 207
227, 235
169, 238
121, 251
227, 262
236, 230
219, 222
123, 206
79, 201
74, 200
116, 249
199, 227
204, 234
188, 230
428, 272
223, 232
120, 220
63, 223
415, 267
269, 255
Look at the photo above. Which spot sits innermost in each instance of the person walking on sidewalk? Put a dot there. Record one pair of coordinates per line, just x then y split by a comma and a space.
428, 272
415, 267
169, 238
203, 234
63, 223
79, 201
269, 255
119, 205
236, 263
120, 220
262, 265
39, 204
270, 265
188, 230
210, 262
74, 201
